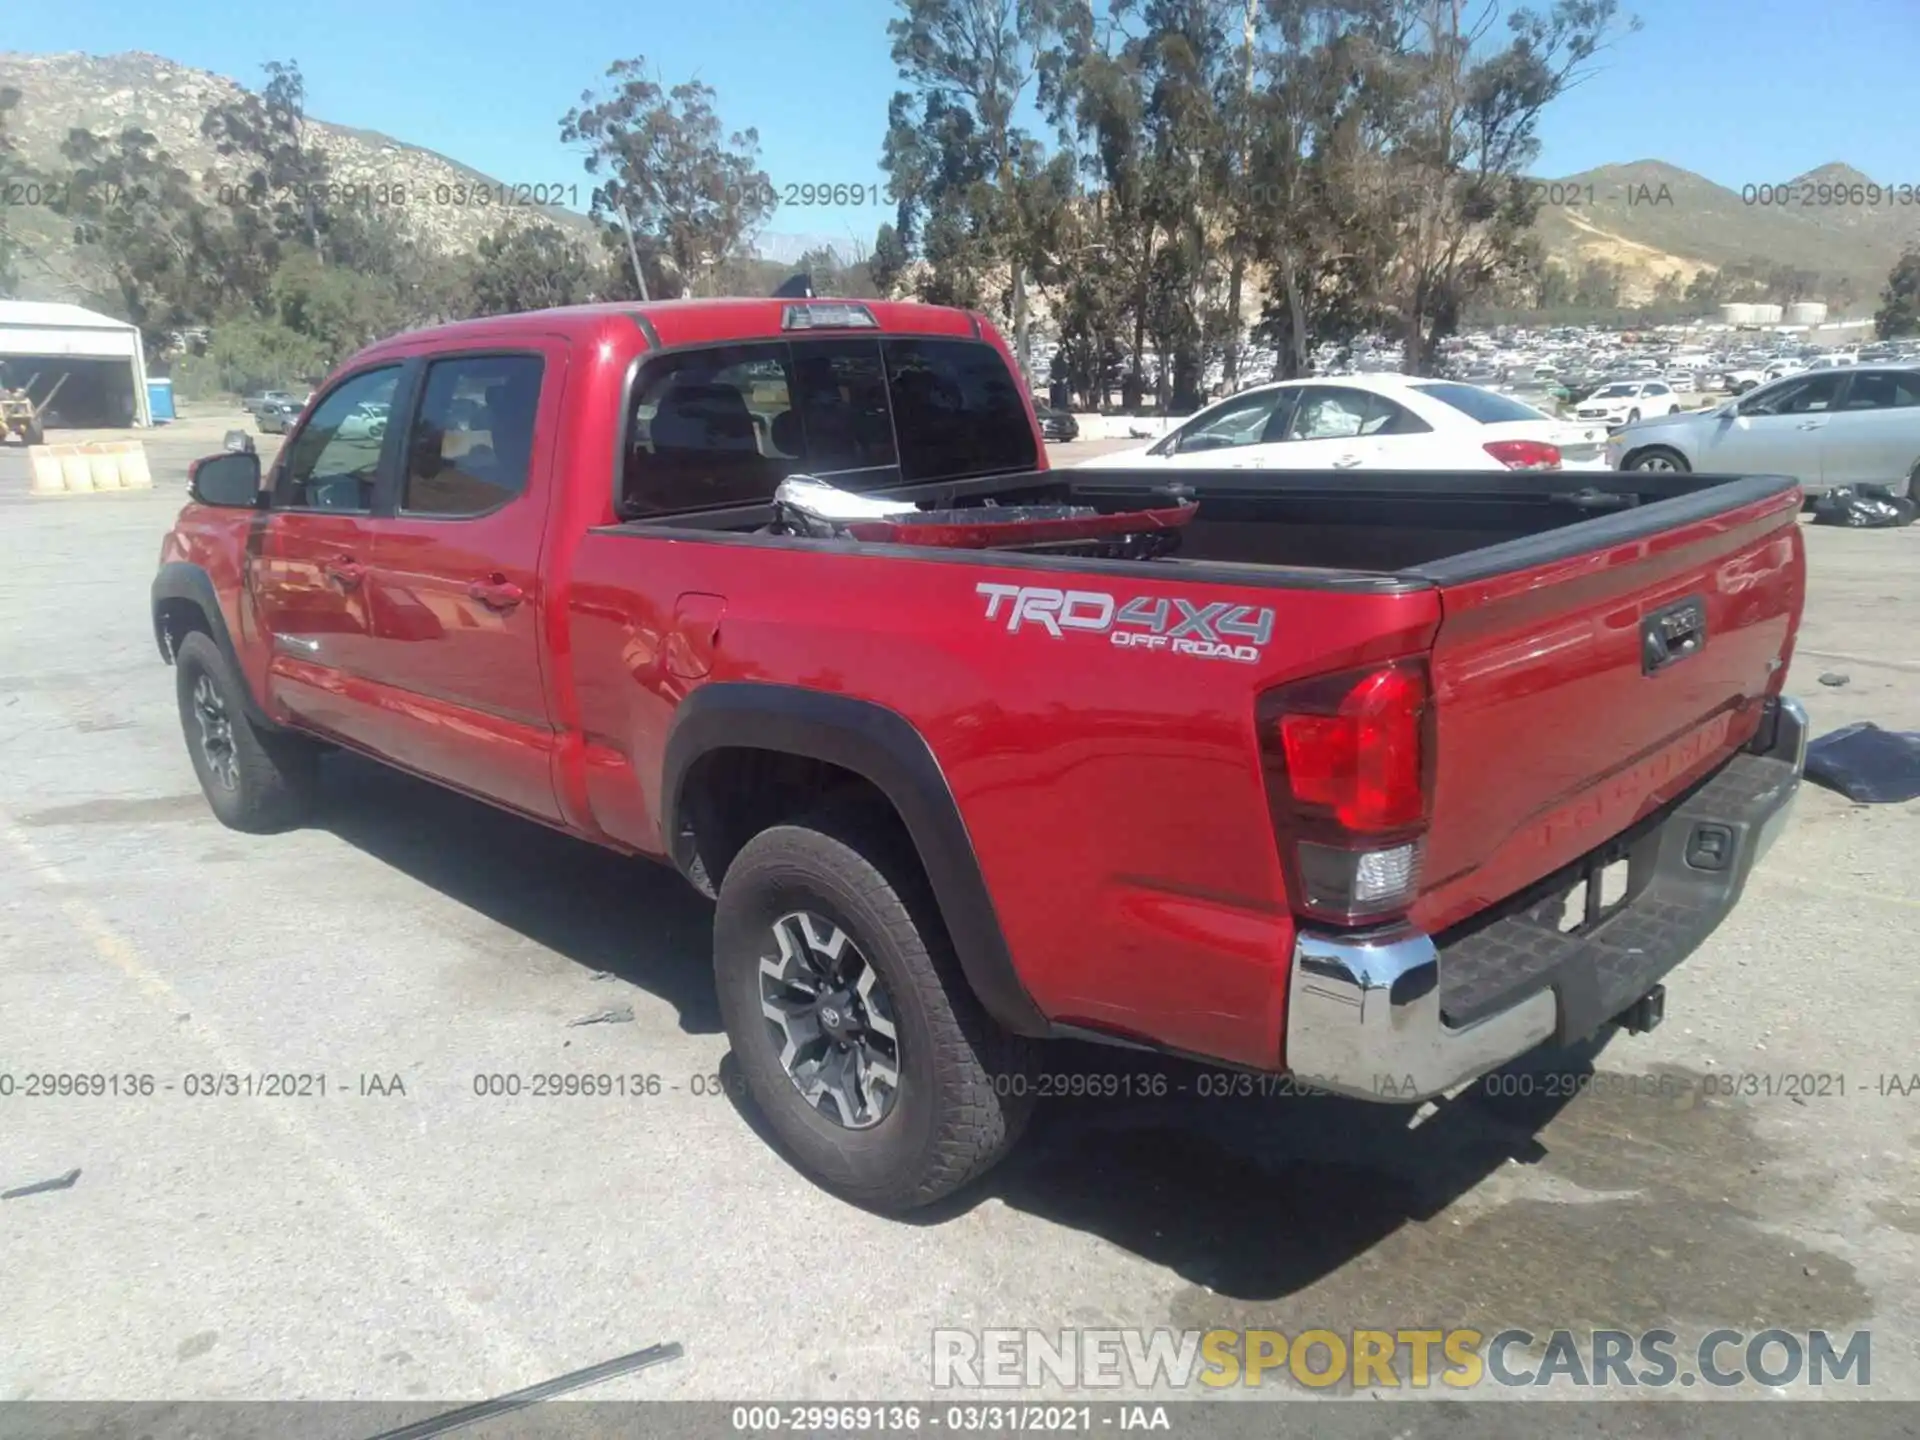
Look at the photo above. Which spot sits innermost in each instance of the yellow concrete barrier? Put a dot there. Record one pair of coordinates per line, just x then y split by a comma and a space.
89, 467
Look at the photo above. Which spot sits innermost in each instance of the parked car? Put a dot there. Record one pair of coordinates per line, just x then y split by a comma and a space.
253, 404
276, 417
367, 421
1371, 422
1057, 426
1838, 426
1292, 802
1625, 401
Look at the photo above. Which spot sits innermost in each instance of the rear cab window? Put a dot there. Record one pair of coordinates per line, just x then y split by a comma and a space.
721, 426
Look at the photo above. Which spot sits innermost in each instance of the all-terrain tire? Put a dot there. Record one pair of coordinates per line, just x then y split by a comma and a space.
960, 1105
257, 780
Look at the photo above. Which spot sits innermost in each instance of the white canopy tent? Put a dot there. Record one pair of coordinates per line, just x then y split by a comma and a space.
102, 359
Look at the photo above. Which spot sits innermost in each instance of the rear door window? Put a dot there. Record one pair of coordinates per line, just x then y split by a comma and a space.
1328, 413
957, 410
1883, 390
472, 441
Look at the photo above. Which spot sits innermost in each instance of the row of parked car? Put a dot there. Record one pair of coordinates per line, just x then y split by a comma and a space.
1840, 425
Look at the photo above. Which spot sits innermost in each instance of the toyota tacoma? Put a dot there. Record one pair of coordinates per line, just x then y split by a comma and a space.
1377, 780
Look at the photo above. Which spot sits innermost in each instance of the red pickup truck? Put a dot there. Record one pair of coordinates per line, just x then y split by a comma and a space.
1378, 780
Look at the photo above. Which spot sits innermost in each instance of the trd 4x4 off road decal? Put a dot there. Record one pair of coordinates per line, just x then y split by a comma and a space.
1213, 631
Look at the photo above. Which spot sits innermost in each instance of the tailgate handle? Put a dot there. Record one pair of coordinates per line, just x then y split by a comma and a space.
1672, 633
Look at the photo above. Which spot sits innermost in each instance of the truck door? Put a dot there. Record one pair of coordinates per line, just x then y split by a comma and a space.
456, 592
307, 572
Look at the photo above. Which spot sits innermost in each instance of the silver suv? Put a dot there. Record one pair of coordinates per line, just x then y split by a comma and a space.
1844, 426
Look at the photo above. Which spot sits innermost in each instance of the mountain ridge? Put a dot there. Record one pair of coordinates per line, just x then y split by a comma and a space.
1654, 221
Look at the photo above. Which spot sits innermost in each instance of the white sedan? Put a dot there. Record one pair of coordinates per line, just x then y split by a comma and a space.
1370, 422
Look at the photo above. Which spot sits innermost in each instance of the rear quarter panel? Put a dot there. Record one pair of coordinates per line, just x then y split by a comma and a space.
1112, 795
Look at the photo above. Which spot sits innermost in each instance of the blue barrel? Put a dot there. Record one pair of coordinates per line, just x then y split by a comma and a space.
160, 400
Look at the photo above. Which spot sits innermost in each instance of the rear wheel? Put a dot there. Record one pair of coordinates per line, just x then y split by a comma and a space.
851, 1022
1657, 457
35, 434
255, 780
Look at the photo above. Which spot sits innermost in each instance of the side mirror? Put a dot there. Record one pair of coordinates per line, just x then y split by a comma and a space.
230, 479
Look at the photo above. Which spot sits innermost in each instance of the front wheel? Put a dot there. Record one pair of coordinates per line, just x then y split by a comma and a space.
1632, 415
254, 779
850, 1019
1657, 458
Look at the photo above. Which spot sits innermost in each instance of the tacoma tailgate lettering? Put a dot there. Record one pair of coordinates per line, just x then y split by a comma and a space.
1205, 630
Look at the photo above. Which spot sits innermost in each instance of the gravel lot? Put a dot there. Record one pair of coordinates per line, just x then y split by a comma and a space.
436, 1244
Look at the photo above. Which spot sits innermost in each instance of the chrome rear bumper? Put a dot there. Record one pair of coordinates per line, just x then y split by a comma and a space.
1367, 1013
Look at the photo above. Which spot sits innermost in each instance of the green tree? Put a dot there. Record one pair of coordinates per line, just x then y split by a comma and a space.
1463, 119
955, 156
13, 172
138, 219
1899, 312
532, 267
1317, 199
888, 261
282, 189
670, 179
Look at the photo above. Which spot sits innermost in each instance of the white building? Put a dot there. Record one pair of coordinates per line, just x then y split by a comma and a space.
100, 358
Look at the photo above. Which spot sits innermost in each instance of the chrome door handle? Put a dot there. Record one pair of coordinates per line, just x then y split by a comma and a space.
1347, 462
1810, 425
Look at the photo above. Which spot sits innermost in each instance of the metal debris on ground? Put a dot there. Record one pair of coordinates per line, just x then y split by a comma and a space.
533, 1394
620, 1015
40, 1187
1866, 764
1835, 678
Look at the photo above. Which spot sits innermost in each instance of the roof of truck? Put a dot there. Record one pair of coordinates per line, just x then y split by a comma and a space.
692, 321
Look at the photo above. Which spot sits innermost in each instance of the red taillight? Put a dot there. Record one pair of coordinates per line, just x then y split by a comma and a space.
1524, 454
1363, 761
1349, 761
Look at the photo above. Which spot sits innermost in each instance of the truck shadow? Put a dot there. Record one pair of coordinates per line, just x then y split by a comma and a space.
633, 919
1249, 1199
1255, 1197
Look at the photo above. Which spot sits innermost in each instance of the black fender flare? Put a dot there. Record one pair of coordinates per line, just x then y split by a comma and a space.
183, 580
881, 746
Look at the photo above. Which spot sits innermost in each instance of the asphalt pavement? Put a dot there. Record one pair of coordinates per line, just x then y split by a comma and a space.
408, 1235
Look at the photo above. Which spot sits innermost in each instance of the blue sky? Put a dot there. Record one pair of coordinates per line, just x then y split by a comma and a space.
1742, 91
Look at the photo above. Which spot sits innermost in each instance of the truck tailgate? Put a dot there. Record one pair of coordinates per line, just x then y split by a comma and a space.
1577, 694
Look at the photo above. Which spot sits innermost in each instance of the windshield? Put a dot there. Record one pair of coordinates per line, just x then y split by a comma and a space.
1616, 392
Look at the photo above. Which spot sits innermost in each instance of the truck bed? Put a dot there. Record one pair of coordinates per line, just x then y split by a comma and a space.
1415, 527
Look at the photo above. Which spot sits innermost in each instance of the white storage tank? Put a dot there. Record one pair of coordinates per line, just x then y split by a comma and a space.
1766, 314
1736, 314
1807, 312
